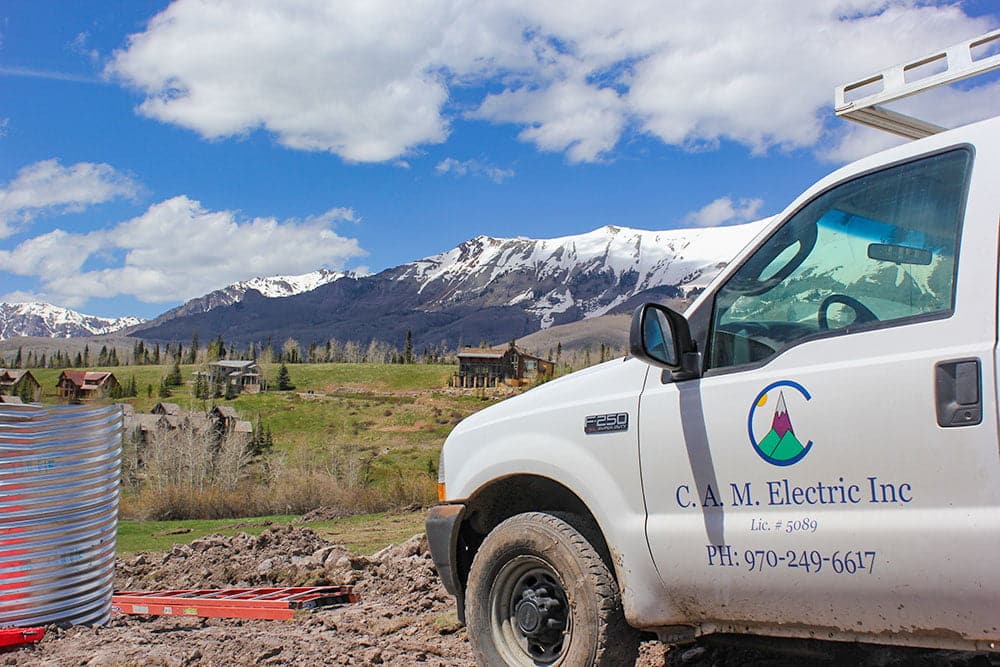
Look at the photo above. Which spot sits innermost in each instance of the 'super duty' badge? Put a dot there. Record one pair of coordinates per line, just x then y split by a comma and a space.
610, 423
778, 445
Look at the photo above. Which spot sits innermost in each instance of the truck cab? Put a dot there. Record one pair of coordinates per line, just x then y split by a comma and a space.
810, 451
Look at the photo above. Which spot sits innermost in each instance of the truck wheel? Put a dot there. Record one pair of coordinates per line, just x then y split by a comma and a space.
539, 594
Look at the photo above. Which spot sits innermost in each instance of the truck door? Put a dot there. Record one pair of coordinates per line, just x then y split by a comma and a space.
837, 463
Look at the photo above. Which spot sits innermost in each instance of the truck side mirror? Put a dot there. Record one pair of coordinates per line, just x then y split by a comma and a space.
661, 337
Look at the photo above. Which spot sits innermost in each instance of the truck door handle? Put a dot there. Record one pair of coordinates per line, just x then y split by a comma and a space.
958, 393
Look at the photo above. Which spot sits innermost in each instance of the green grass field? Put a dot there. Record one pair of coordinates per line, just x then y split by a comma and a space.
363, 407
369, 428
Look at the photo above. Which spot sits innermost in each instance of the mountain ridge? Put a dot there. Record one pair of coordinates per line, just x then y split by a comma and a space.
484, 289
35, 318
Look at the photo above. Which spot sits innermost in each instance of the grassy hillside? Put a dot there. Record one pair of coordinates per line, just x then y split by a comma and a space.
364, 437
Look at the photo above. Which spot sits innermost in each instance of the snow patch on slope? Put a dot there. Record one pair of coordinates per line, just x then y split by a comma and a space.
593, 272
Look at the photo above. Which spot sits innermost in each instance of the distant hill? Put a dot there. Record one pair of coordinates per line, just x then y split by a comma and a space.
611, 330
272, 287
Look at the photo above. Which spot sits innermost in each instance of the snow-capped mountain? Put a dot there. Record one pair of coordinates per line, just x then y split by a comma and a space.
272, 287
486, 289
46, 320
576, 277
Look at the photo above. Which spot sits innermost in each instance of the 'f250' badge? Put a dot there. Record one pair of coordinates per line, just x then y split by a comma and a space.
611, 423
779, 444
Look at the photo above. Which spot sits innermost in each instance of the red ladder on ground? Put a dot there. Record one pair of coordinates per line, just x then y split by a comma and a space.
278, 604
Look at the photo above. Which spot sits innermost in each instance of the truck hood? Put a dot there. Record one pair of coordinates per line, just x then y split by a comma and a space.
623, 375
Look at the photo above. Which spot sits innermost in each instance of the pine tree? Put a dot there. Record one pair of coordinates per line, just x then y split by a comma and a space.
86, 355
200, 387
78, 361
193, 352
18, 359
26, 391
408, 347
164, 390
284, 381
174, 378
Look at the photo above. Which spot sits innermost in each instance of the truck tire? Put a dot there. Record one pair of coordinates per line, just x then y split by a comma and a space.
539, 594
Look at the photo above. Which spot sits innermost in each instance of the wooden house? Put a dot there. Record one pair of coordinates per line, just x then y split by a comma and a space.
165, 408
85, 385
235, 375
490, 367
20, 383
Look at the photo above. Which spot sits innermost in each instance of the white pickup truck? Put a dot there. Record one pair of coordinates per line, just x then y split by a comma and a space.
810, 451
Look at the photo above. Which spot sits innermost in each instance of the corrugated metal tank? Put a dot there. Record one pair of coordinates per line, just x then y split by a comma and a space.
60, 468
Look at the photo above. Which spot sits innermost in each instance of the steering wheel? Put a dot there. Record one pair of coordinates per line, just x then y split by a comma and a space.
862, 313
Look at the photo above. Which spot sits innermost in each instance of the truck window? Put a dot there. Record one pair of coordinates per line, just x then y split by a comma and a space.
879, 250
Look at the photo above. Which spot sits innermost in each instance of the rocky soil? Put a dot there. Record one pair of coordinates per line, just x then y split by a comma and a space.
404, 617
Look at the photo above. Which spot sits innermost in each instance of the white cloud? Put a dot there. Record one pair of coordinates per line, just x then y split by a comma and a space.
370, 80
20, 296
81, 46
177, 250
450, 165
49, 187
724, 210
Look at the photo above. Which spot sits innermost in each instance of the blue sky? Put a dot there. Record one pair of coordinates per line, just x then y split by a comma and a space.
153, 151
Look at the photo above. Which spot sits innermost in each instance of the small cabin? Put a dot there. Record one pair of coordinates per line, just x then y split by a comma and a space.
19, 383
85, 385
491, 367
236, 375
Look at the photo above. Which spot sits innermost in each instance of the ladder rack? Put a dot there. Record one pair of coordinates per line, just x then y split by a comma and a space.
959, 62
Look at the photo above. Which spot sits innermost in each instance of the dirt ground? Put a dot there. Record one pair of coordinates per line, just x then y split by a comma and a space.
405, 617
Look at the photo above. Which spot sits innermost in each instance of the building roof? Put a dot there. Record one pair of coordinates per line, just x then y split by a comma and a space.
142, 421
13, 375
79, 378
238, 364
226, 412
494, 353
243, 427
482, 353
13, 400
164, 408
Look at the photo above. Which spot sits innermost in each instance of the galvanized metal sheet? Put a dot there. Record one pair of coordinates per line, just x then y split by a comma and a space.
60, 469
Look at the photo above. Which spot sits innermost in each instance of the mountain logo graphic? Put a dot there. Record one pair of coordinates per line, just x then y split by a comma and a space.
779, 445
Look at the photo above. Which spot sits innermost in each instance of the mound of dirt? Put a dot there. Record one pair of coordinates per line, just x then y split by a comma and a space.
404, 617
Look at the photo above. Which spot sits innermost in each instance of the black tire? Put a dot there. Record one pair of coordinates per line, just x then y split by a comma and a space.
540, 594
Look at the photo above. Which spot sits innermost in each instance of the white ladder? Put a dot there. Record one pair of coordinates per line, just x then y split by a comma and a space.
959, 62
